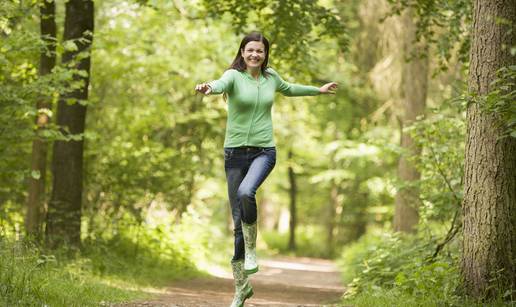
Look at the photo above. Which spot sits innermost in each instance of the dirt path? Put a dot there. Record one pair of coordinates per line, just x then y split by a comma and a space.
282, 281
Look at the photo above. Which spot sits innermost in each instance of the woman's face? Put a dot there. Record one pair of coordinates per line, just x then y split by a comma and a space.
253, 54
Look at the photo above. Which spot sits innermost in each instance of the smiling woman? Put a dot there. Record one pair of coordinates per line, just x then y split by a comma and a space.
254, 54
249, 148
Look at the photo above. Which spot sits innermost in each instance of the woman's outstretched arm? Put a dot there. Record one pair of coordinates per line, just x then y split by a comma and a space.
292, 89
224, 84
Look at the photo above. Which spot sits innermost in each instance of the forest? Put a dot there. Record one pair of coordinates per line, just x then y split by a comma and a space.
398, 190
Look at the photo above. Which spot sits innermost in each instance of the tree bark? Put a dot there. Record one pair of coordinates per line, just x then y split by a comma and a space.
36, 198
292, 194
64, 210
488, 263
414, 88
331, 213
358, 225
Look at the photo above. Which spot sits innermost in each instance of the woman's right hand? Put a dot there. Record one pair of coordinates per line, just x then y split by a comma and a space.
203, 88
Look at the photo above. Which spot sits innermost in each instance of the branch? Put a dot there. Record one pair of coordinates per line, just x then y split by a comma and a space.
449, 236
444, 176
453, 230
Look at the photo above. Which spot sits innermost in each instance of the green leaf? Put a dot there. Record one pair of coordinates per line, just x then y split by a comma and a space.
70, 46
35, 174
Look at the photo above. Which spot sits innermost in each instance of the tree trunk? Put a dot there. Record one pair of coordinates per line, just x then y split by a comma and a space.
330, 221
47, 62
333, 203
488, 263
292, 194
64, 209
358, 226
414, 87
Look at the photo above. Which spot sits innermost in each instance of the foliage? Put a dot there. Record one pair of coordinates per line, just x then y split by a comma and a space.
135, 256
140, 255
308, 242
500, 100
442, 24
397, 266
441, 163
395, 297
29, 277
394, 269
20, 89
157, 246
152, 137
293, 27
345, 153
396, 261
155, 201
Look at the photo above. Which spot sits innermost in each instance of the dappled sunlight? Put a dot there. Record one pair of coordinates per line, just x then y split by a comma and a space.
214, 270
299, 266
372, 141
279, 282
302, 272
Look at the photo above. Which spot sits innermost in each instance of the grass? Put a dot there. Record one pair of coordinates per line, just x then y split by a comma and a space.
395, 298
30, 278
102, 273
388, 269
115, 266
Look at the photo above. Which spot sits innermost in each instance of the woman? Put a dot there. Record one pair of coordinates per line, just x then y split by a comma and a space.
249, 149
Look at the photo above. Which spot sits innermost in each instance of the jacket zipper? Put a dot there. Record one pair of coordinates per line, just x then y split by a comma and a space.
254, 110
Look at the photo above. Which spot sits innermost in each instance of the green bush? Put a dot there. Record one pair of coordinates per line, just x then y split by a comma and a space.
308, 242
400, 263
143, 256
399, 298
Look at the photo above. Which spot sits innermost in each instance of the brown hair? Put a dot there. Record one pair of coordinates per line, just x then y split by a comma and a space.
239, 63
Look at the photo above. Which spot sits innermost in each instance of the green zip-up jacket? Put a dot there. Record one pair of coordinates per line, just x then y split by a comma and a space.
250, 101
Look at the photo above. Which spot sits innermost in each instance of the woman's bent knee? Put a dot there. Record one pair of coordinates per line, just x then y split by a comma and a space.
245, 194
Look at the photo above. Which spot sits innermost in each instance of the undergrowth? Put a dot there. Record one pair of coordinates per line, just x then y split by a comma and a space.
104, 271
393, 269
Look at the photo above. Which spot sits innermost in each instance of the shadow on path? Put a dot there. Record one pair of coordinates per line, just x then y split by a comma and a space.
281, 281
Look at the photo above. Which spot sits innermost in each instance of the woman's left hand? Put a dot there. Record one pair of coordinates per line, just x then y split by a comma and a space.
328, 88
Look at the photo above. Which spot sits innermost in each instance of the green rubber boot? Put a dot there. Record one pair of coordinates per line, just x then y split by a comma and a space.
243, 289
249, 231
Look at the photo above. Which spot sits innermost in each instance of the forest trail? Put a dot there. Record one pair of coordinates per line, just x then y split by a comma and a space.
282, 281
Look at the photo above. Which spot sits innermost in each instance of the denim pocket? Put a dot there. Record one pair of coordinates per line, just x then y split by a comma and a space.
270, 151
228, 153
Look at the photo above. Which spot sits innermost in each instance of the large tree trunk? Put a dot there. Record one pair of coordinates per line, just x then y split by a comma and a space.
414, 86
47, 62
358, 225
292, 194
489, 206
64, 209
331, 215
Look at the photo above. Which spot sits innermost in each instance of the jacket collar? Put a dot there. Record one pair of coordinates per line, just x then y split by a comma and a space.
261, 78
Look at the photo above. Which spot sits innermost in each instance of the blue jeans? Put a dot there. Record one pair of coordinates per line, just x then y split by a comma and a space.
246, 169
